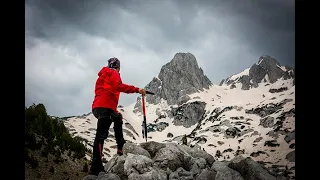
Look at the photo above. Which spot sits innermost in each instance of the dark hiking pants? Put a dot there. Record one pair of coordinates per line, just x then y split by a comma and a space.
105, 118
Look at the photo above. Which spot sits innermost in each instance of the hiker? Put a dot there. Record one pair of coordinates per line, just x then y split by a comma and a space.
104, 107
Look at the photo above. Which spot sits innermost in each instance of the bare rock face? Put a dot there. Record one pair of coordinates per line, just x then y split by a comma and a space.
178, 78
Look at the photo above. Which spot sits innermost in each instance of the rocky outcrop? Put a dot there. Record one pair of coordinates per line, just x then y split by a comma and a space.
157, 126
189, 114
169, 161
267, 109
178, 78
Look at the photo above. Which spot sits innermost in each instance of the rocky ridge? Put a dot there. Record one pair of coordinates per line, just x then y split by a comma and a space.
169, 161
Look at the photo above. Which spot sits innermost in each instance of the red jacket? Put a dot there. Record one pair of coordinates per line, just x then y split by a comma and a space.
108, 87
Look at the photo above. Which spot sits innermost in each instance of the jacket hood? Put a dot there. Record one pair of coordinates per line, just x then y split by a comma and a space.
105, 70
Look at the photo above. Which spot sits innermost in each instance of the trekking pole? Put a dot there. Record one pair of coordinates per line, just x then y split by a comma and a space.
144, 114
144, 118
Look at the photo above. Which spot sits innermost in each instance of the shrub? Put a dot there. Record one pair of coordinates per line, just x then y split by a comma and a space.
85, 167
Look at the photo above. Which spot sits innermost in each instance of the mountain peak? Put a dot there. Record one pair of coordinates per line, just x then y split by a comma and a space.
181, 62
176, 79
266, 62
267, 69
183, 59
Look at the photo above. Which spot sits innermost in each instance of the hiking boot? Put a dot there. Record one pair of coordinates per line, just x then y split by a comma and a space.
96, 172
96, 169
119, 152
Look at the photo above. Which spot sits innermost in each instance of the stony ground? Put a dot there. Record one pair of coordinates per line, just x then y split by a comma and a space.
52, 168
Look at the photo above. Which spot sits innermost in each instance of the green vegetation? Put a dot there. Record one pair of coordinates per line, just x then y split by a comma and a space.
184, 140
85, 168
50, 135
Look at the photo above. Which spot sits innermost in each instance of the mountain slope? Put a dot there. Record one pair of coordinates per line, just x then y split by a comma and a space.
251, 113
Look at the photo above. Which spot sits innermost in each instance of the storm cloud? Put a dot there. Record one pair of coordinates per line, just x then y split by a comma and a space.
67, 42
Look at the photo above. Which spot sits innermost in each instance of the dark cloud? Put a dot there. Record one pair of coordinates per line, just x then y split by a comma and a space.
67, 42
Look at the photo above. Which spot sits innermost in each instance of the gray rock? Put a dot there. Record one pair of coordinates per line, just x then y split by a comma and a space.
137, 164
172, 161
221, 82
135, 149
233, 86
224, 172
189, 114
116, 165
214, 129
225, 123
180, 174
255, 133
151, 127
290, 136
152, 147
158, 113
183, 99
245, 131
271, 65
266, 109
138, 105
90, 177
151, 175
169, 135
232, 132
278, 90
291, 156
251, 170
197, 153
257, 153
245, 81
257, 73
258, 139
207, 175
170, 156
236, 159
198, 165
267, 122
108, 176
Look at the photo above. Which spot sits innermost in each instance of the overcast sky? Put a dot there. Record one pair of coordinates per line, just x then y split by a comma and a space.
68, 42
